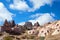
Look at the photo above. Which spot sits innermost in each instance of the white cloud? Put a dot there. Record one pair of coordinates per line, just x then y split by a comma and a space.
52, 14
35, 15
22, 5
22, 23
44, 18
19, 5
38, 3
4, 13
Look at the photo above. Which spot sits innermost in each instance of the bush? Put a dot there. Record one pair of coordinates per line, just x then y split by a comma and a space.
30, 37
42, 38
8, 38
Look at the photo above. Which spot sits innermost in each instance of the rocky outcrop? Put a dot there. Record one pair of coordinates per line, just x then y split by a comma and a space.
12, 28
6, 23
12, 23
37, 30
28, 25
53, 37
37, 24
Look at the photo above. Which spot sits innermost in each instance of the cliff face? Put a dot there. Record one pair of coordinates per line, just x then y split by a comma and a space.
47, 29
55, 32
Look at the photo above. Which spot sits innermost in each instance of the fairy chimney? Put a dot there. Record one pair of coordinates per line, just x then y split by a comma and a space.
36, 24
28, 25
6, 23
12, 23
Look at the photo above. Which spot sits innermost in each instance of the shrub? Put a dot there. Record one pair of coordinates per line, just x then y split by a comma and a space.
42, 38
8, 38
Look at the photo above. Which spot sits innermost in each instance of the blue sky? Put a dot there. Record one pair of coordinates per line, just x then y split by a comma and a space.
22, 11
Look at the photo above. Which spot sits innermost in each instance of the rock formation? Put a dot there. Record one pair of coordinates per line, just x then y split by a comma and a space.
28, 25
36, 24
12, 23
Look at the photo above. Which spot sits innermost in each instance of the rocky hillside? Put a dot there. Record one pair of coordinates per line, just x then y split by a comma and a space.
49, 31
